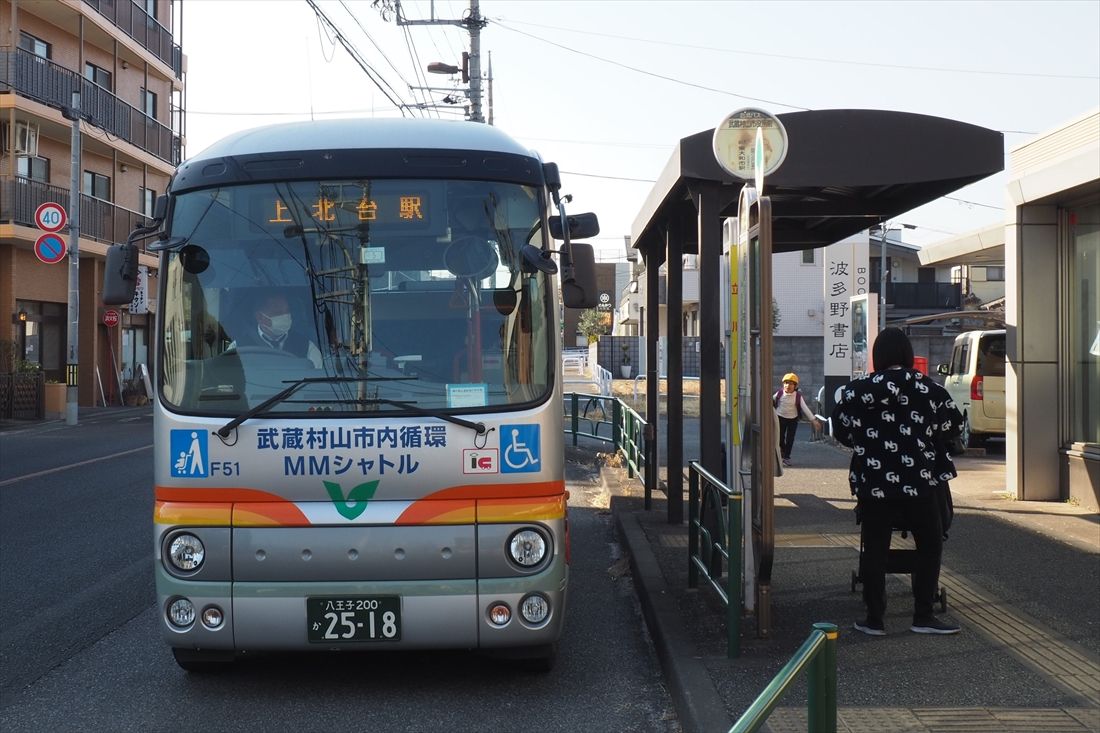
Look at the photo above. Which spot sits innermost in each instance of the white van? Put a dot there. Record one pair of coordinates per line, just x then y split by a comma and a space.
975, 379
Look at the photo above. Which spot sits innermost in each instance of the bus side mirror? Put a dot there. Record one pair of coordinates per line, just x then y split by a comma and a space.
581, 226
120, 274
578, 276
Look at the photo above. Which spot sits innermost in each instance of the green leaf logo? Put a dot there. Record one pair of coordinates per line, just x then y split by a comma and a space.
356, 501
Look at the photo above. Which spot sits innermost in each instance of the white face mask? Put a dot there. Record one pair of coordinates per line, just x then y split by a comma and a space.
279, 326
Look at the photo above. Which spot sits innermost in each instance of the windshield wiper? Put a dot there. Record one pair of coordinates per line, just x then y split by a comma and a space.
284, 394
478, 427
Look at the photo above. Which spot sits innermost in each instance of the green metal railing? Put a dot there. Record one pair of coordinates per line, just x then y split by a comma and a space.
817, 657
707, 545
587, 414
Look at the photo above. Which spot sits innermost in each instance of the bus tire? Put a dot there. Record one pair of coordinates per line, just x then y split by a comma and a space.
202, 661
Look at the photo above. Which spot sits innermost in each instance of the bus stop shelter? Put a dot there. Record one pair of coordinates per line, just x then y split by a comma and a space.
845, 170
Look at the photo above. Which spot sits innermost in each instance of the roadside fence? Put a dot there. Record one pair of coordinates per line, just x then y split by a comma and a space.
608, 419
715, 534
816, 657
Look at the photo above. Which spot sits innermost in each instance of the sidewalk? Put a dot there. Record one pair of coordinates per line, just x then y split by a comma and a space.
1022, 580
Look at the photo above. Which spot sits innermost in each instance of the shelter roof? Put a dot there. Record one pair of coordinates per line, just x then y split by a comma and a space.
845, 170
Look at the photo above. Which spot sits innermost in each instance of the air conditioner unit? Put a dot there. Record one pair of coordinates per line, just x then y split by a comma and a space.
26, 138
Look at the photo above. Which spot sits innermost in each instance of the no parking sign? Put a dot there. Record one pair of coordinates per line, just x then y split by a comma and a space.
50, 248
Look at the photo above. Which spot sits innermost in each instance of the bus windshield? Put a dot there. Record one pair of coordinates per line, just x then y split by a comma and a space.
384, 295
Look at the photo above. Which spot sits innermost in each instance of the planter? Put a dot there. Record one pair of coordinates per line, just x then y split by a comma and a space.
55, 399
626, 370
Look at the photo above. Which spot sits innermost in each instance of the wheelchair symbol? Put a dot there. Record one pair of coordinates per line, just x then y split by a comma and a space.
521, 452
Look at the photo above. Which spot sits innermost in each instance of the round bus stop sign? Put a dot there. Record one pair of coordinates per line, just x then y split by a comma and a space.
735, 142
111, 317
50, 217
50, 248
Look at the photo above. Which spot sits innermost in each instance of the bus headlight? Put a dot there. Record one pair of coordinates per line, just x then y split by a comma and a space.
181, 613
186, 552
527, 548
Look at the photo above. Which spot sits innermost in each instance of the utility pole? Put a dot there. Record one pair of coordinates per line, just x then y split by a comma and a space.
72, 366
473, 23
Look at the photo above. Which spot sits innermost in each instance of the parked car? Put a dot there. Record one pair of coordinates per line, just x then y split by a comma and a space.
975, 379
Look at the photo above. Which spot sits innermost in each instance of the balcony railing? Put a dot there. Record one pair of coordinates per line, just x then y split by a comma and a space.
44, 81
132, 20
99, 220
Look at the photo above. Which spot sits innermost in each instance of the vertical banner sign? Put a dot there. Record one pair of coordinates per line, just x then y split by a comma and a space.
733, 348
846, 275
140, 303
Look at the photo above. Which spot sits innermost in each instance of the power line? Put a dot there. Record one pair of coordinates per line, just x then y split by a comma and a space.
651, 73
384, 86
813, 59
611, 178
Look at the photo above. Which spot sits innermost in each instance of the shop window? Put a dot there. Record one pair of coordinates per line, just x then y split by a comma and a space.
1083, 342
41, 338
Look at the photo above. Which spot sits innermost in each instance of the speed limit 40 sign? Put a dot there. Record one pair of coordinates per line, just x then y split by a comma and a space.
50, 217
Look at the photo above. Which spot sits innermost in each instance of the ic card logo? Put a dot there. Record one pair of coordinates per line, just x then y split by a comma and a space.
484, 460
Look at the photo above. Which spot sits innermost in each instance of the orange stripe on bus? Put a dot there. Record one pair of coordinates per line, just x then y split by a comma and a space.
232, 495
500, 511
207, 514
268, 514
500, 491
447, 511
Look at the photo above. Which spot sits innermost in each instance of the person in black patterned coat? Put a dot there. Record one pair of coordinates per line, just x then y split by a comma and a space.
898, 423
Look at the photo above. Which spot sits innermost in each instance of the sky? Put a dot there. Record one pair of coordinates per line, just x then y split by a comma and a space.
606, 88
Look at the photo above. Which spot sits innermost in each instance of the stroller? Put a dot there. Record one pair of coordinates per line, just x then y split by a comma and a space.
901, 562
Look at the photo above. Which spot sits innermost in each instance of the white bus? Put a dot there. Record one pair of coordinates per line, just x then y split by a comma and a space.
358, 414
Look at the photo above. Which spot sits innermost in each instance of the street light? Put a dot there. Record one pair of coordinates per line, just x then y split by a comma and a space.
438, 67
883, 229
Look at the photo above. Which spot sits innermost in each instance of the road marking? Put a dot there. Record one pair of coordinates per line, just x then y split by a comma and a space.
36, 474
1023, 636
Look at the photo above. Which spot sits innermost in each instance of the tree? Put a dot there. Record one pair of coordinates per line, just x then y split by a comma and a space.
776, 316
592, 325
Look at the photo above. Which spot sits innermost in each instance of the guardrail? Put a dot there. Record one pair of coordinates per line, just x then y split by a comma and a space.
817, 657
717, 535
625, 428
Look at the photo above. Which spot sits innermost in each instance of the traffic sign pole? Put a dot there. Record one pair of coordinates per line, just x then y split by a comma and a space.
72, 366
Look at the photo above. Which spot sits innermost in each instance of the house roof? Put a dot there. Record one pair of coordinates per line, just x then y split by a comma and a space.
845, 170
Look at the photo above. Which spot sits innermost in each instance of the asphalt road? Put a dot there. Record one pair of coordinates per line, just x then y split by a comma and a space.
80, 648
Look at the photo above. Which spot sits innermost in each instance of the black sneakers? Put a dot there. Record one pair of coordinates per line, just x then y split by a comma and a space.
869, 627
932, 625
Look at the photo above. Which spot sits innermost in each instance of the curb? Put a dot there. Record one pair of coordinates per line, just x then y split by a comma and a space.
697, 702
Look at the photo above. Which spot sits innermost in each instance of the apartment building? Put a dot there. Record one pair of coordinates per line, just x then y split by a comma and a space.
122, 59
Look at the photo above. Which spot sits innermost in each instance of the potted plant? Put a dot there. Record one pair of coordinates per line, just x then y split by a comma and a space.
625, 367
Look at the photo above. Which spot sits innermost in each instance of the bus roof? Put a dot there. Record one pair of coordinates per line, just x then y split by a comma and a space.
359, 134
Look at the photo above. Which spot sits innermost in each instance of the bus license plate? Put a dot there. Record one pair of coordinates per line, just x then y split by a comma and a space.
358, 618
